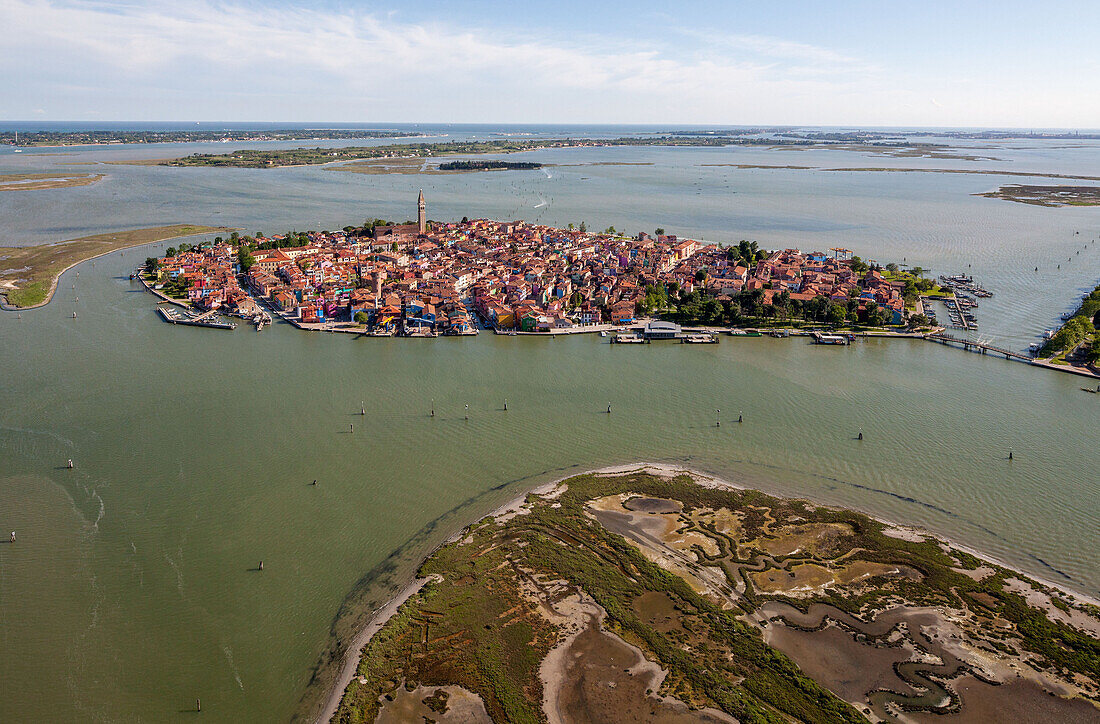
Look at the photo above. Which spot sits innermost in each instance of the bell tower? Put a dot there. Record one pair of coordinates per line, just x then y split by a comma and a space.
421, 213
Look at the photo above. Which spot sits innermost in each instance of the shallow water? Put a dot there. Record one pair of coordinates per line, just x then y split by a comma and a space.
131, 589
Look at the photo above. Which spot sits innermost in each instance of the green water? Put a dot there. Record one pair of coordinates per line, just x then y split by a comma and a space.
130, 590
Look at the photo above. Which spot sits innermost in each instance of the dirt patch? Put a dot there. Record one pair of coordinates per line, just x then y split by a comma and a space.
433, 703
659, 611
823, 540
1042, 601
810, 578
653, 505
834, 659
607, 680
1021, 701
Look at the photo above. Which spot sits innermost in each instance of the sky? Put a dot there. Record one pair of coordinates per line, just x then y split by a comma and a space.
820, 62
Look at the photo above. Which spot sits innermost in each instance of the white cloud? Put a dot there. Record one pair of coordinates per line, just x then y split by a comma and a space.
236, 60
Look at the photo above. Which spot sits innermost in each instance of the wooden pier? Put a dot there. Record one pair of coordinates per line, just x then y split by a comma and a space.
979, 347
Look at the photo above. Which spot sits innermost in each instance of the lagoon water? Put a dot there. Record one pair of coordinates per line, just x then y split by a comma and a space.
131, 589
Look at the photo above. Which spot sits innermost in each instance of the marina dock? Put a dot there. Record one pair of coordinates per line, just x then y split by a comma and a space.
175, 316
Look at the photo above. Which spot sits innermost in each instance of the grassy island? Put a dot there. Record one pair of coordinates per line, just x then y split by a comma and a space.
656, 596
311, 156
488, 165
1048, 195
40, 181
29, 274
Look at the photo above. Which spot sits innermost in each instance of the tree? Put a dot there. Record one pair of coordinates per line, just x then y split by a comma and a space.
170, 251
583, 227
465, 220
701, 275
362, 318
837, 314
783, 302
245, 259
218, 240
858, 265
659, 231
151, 263
817, 307
917, 271
918, 320
891, 267
393, 246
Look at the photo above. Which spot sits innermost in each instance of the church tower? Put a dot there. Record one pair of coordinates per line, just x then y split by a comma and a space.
422, 213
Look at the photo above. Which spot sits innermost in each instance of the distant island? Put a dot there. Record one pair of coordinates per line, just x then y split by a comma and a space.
1047, 195
43, 181
273, 158
488, 165
651, 594
94, 138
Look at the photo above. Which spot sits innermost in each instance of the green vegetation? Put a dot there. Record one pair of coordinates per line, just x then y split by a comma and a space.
749, 308
487, 165
1082, 326
245, 258
746, 253
28, 274
271, 158
30, 295
472, 626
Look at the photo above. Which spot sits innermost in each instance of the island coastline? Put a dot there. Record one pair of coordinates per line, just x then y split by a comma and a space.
377, 621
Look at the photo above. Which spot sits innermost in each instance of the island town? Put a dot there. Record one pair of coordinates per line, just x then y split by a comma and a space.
427, 279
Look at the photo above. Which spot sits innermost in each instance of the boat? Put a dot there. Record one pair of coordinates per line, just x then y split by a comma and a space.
1034, 347
820, 338
603, 333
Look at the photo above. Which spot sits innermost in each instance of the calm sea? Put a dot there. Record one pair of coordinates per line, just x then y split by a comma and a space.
130, 591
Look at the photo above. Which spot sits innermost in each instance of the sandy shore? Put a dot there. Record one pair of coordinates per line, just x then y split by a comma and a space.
514, 506
351, 658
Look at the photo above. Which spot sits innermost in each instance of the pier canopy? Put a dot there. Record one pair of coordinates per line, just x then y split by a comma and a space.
658, 329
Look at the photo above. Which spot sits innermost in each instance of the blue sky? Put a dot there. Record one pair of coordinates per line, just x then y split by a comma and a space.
883, 63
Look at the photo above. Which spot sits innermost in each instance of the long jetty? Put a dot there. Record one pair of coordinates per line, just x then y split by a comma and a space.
982, 348
979, 347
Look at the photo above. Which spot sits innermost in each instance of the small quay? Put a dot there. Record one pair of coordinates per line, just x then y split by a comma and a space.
176, 316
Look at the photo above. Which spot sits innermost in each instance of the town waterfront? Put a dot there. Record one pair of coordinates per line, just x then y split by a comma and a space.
131, 589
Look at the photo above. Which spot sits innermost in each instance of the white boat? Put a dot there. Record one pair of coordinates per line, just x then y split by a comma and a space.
1049, 334
1034, 347
603, 333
